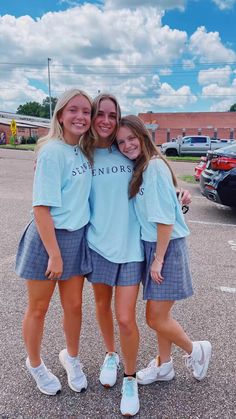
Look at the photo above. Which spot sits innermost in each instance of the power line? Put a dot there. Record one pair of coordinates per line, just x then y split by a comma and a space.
126, 65
128, 71
146, 95
117, 74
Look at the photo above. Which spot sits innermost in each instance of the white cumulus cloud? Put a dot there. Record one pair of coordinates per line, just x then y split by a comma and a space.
207, 46
167, 97
221, 76
131, 4
109, 47
95, 49
225, 4
224, 96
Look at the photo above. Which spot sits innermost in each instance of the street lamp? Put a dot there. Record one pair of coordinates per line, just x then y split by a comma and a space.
49, 89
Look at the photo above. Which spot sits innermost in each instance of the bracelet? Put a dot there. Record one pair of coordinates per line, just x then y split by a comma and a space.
157, 259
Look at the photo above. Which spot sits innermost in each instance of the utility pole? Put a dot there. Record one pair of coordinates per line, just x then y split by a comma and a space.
49, 89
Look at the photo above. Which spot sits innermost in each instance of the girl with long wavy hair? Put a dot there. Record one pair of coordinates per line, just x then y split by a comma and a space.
167, 276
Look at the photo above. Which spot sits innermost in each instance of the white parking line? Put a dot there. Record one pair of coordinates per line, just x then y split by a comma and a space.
227, 289
232, 244
210, 223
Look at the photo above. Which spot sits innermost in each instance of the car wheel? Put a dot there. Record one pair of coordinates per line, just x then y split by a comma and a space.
171, 152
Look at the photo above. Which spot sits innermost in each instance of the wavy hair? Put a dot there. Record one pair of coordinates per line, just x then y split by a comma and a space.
148, 150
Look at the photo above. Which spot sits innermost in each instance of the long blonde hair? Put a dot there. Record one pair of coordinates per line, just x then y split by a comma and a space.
88, 147
56, 129
148, 150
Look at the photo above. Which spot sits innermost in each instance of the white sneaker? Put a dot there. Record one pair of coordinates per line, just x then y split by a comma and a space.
108, 374
129, 404
153, 372
199, 359
46, 382
76, 378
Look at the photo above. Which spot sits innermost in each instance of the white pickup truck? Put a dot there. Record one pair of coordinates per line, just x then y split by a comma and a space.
192, 145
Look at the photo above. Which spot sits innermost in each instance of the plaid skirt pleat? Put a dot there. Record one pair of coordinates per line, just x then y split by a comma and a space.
114, 274
32, 258
177, 282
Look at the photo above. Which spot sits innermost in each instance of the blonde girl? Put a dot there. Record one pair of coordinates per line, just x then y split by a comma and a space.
53, 248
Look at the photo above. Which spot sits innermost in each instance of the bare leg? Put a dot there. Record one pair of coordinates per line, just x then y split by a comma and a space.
39, 296
71, 300
125, 303
103, 297
164, 346
159, 318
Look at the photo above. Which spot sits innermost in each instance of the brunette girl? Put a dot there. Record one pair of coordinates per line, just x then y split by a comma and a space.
167, 275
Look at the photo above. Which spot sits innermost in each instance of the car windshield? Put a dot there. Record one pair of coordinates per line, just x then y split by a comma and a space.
229, 148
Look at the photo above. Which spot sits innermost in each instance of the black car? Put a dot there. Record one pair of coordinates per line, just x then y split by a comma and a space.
218, 180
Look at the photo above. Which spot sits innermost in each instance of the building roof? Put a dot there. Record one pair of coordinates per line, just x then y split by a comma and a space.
23, 120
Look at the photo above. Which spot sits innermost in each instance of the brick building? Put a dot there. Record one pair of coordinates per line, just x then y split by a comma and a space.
27, 126
171, 125
167, 125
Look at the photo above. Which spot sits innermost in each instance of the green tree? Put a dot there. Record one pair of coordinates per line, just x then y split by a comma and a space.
233, 108
46, 106
38, 109
30, 108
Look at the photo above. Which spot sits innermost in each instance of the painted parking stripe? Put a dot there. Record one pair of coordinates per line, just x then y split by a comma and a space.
232, 244
227, 289
210, 223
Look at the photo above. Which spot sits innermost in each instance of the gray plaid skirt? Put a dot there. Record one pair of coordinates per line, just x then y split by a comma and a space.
32, 258
177, 282
114, 274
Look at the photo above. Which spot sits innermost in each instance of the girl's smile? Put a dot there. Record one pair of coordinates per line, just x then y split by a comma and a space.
128, 143
106, 120
75, 118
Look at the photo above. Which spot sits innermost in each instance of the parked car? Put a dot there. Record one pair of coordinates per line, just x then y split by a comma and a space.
218, 180
227, 140
191, 145
201, 165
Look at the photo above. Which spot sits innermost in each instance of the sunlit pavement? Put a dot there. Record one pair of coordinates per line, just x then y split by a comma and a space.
210, 314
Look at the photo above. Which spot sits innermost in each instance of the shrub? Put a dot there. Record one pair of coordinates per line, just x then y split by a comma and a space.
32, 140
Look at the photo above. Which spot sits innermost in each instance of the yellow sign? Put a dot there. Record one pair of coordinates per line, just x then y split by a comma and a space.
13, 127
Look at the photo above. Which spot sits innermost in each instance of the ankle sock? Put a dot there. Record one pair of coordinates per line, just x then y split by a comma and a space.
71, 358
130, 375
158, 361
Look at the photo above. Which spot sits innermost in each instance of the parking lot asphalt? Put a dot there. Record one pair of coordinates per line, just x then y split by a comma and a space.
209, 314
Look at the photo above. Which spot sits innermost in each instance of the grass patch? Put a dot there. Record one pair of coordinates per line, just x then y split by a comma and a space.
18, 147
188, 178
184, 158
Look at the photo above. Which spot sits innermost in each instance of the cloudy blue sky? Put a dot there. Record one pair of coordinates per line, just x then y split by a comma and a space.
154, 55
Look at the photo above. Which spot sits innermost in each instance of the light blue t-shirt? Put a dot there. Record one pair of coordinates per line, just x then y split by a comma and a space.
62, 182
157, 202
114, 231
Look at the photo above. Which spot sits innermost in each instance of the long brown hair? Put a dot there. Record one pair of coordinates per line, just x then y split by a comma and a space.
148, 151
88, 147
